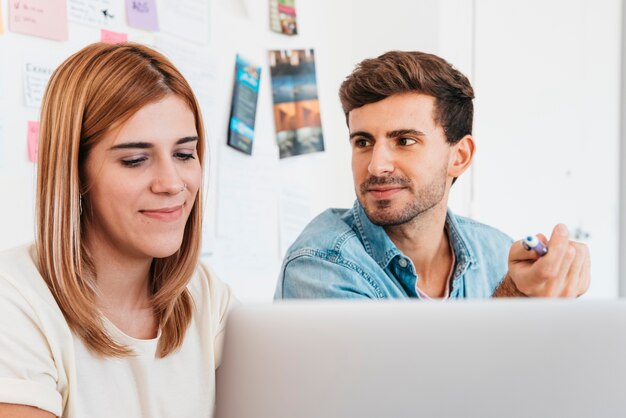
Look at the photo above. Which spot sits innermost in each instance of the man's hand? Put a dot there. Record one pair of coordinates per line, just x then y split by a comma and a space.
563, 272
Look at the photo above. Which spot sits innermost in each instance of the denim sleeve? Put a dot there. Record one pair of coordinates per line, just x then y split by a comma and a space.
310, 276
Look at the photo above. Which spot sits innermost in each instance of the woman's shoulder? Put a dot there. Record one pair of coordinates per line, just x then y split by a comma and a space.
206, 286
18, 268
21, 281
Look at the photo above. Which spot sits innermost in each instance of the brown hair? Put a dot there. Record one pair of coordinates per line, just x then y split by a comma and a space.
403, 72
98, 87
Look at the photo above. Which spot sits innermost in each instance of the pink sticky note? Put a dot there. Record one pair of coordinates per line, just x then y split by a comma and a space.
33, 140
109, 37
142, 14
44, 18
1, 20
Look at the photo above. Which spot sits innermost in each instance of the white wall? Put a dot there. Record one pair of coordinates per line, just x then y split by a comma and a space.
479, 37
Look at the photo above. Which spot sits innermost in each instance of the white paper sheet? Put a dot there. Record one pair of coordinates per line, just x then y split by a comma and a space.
37, 72
294, 213
96, 13
186, 19
247, 212
198, 68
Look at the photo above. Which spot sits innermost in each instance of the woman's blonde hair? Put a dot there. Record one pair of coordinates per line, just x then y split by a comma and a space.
98, 87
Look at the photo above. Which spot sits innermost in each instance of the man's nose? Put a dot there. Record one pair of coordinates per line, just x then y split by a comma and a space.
382, 161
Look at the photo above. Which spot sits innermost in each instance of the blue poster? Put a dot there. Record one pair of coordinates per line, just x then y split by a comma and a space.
243, 109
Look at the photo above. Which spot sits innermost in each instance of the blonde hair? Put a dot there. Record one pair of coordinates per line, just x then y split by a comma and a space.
98, 87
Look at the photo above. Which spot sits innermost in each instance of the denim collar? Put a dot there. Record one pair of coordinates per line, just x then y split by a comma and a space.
380, 247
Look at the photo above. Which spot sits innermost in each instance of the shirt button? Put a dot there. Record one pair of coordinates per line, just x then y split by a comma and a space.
403, 263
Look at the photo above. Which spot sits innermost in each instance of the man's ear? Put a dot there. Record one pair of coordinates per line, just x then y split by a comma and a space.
461, 156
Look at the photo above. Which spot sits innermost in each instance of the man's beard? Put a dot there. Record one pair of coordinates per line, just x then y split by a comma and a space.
425, 199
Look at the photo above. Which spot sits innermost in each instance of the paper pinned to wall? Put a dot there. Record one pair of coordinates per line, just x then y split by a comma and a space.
43, 18
187, 19
96, 13
110, 37
1, 19
247, 209
142, 14
294, 213
36, 76
200, 70
32, 138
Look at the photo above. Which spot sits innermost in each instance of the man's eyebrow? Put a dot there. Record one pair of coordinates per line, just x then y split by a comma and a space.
147, 145
401, 132
362, 134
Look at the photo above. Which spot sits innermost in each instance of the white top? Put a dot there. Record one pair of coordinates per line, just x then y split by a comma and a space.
43, 364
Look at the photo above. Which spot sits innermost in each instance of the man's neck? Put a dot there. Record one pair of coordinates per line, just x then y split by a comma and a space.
425, 241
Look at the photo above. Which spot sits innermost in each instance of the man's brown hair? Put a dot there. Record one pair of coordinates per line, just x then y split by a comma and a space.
398, 72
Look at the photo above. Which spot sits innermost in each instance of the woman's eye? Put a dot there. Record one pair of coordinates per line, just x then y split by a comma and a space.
184, 156
133, 162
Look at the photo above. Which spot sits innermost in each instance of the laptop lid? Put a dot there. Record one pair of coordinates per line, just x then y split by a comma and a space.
497, 358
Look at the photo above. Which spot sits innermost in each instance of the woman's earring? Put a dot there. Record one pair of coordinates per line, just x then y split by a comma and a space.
80, 204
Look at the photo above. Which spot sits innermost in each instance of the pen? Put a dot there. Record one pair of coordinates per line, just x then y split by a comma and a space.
531, 242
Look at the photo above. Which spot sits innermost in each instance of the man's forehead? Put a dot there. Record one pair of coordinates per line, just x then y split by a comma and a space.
397, 112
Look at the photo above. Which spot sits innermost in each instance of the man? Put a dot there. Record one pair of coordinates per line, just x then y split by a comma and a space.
409, 116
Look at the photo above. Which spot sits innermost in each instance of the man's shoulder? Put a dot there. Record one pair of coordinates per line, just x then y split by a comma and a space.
472, 228
328, 231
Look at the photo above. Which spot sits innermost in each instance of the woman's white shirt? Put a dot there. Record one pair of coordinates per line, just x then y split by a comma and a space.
43, 364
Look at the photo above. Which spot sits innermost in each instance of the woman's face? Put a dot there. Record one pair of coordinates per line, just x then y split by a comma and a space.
142, 179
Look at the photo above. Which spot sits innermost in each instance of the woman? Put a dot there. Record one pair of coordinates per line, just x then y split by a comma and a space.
110, 313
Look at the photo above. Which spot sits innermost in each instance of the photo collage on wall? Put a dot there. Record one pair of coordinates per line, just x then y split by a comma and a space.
296, 103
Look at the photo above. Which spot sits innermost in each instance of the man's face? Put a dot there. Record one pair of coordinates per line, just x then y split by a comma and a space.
400, 158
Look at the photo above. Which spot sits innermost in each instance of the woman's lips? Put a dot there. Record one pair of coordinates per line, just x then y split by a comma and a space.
164, 214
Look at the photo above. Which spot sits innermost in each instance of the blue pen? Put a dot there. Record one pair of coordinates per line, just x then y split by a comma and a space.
531, 242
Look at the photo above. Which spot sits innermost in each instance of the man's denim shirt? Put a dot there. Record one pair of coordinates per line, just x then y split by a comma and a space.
341, 254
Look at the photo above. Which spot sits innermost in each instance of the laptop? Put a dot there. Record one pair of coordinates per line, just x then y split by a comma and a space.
495, 358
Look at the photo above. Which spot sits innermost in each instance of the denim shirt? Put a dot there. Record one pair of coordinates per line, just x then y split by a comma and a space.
342, 254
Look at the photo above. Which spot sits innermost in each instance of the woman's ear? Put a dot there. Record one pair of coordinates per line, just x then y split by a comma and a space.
461, 156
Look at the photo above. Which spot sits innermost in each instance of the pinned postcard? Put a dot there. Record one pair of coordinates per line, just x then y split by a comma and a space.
43, 18
33, 140
283, 17
297, 117
243, 108
36, 76
109, 37
142, 14
96, 13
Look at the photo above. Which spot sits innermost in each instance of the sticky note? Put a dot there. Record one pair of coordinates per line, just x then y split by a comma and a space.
110, 37
43, 18
32, 138
142, 14
1, 19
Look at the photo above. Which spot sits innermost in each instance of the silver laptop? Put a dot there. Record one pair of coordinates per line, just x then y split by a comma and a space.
499, 358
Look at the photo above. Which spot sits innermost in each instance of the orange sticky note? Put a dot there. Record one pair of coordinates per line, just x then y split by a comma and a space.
110, 37
44, 18
33, 140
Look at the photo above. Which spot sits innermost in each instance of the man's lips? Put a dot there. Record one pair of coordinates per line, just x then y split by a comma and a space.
164, 214
384, 192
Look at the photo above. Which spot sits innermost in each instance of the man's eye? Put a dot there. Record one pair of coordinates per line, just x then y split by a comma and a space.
406, 141
361, 143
